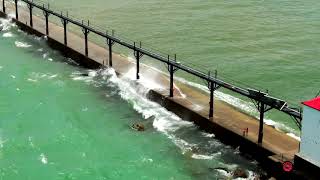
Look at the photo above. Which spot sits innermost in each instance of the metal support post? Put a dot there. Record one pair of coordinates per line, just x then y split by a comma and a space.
86, 32
138, 66
211, 99
3, 6
47, 24
65, 22
30, 14
171, 70
262, 108
110, 44
262, 111
46, 15
212, 87
138, 56
16, 5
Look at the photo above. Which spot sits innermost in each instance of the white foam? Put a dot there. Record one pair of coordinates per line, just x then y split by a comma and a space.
11, 15
6, 24
30, 141
207, 157
45, 55
43, 159
36, 76
224, 173
164, 120
147, 160
31, 80
22, 44
148, 78
52, 76
207, 135
7, 34
77, 76
2, 141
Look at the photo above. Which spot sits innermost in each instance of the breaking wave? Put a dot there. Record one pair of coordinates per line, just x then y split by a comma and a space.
184, 134
6, 24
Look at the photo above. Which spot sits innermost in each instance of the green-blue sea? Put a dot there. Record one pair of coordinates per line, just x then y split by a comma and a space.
56, 123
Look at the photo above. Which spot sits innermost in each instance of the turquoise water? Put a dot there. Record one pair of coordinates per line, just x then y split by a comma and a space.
56, 123
270, 45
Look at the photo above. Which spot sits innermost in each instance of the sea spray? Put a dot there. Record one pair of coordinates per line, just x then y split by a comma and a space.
238, 103
164, 121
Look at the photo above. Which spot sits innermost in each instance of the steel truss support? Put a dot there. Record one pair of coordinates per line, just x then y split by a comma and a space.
212, 88
297, 120
110, 43
86, 32
172, 69
138, 55
262, 108
30, 6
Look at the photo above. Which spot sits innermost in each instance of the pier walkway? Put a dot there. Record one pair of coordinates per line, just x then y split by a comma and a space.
281, 145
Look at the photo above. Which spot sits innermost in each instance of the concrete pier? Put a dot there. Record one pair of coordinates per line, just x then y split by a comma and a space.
227, 123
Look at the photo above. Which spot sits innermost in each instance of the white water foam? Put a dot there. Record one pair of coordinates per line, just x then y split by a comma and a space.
152, 76
2, 142
30, 141
43, 158
22, 44
36, 76
7, 34
207, 157
135, 92
6, 24
164, 121
208, 135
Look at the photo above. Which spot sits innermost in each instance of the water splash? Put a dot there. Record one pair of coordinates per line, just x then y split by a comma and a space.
176, 129
7, 34
22, 44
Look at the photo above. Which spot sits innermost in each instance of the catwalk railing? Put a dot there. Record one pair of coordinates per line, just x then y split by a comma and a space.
262, 100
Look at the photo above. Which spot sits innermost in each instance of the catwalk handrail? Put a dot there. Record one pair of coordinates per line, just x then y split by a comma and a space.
261, 97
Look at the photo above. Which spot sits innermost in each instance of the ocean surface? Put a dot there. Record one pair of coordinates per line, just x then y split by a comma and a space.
60, 121
268, 45
56, 123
